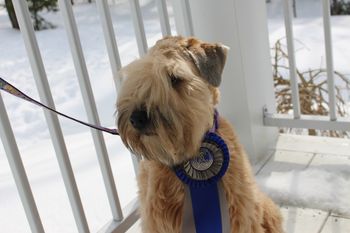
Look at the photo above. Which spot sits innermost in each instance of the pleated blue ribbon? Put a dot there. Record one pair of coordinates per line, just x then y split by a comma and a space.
206, 209
202, 175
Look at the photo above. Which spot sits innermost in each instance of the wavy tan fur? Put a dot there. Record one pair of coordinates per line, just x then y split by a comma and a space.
180, 114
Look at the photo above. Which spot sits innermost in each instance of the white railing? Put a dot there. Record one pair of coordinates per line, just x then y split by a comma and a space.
332, 122
123, 219
235, 23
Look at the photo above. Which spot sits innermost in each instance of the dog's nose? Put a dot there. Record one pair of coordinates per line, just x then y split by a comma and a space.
139, 119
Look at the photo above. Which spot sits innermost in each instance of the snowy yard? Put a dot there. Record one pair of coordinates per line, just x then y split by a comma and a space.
309, 180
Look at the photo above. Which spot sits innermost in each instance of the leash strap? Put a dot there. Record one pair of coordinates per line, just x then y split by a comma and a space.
7, 87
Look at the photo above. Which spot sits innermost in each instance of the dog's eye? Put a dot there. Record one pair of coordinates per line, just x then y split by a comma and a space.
174, 80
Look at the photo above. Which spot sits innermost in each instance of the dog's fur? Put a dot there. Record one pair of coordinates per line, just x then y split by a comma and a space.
176, 84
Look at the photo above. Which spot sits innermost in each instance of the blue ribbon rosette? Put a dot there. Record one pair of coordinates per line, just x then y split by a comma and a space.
201, 174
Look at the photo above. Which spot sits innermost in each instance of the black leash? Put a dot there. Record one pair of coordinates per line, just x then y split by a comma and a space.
7, 87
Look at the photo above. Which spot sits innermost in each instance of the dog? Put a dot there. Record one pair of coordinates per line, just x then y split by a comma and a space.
164, 108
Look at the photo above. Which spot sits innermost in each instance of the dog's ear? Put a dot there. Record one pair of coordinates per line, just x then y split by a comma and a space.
209, 59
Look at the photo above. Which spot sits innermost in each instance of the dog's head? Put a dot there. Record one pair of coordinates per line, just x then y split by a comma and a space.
167, 100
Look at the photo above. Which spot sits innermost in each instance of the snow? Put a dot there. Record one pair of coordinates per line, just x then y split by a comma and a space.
312, 188
309, 37
33, 138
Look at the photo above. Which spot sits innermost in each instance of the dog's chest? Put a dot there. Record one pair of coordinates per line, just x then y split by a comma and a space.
165, 198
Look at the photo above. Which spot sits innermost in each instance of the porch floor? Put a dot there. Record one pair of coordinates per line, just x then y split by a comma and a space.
301, 153
295, 152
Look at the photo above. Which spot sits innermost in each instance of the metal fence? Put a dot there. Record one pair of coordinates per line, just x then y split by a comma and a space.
123, 219
297, 120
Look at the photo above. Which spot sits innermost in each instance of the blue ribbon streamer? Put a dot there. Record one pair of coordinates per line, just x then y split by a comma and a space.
206, 209
204, 192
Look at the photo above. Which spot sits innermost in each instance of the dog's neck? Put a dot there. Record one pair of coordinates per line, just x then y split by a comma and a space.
213, 129
210, 163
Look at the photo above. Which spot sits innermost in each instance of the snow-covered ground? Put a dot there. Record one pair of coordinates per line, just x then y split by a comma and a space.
31, 132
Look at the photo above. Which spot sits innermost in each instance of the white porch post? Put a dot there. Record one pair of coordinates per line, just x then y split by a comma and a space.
182, 17
247, 80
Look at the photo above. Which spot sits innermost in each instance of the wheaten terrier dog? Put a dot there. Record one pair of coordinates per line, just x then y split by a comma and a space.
194, 175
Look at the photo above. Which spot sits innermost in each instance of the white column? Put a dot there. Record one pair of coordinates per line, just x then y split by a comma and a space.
163, 17
139, 27
18, 171
288, 23
90, 106
329, 60
247, 84
37, 65
182, 15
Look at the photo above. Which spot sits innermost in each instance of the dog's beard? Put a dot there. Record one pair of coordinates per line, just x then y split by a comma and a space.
170, 139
